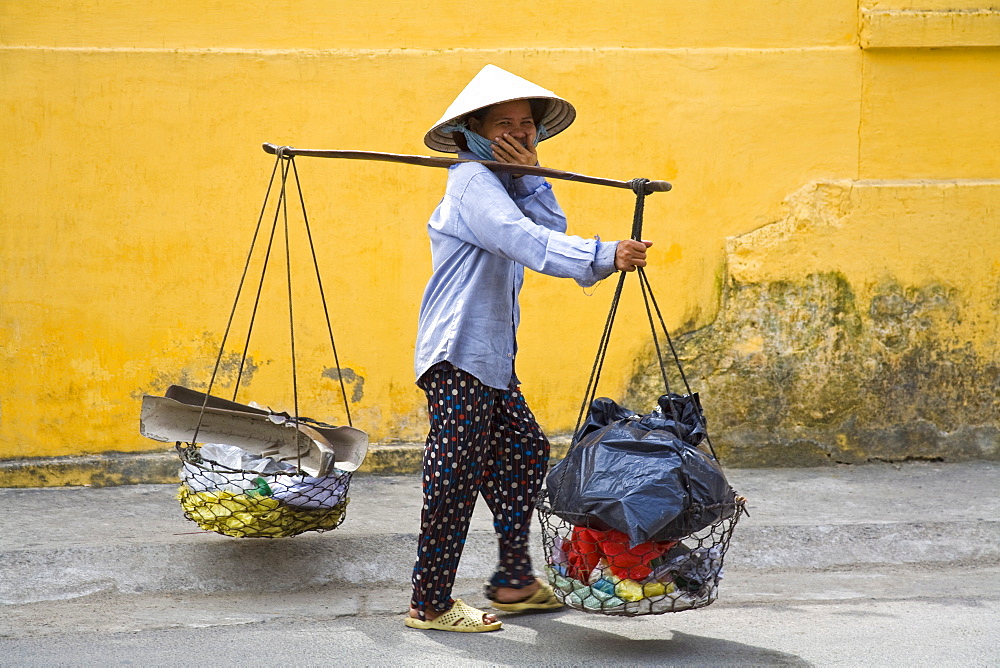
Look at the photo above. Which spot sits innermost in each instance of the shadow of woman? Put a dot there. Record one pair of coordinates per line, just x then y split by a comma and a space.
556, 642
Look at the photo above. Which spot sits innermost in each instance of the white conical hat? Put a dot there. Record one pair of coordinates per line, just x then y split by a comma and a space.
494, 85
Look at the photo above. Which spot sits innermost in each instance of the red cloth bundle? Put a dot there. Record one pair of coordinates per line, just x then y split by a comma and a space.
586, 547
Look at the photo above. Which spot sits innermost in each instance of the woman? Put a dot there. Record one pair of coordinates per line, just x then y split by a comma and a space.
483, 439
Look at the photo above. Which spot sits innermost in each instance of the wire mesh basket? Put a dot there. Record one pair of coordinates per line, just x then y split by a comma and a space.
649, 475
270, 500
598, 571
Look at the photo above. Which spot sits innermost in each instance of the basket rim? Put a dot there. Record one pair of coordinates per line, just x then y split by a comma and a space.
212, 466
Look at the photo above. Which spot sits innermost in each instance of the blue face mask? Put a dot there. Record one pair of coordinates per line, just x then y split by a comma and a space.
482, 146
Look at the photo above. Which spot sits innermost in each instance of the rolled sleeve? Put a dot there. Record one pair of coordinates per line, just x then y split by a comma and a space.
604, 263
500, 228
538, 202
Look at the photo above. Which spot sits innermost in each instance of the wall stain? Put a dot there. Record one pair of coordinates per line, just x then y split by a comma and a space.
197, 373
350, 377
804, 373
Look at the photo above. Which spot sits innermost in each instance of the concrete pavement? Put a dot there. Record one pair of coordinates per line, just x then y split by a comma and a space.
67, 542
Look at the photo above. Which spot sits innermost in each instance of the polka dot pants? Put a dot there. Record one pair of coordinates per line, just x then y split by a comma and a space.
481, 441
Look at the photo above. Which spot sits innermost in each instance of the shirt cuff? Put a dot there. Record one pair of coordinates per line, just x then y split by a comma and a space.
604, 259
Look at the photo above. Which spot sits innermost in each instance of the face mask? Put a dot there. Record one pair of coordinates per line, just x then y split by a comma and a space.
482, 146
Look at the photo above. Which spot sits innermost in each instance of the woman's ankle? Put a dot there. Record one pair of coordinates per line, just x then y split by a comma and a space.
513, 595
429, 613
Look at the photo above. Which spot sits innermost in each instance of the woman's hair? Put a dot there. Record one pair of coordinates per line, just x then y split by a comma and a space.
538, 107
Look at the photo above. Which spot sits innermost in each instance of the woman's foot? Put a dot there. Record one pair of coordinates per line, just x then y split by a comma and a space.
536, 597
511, 595
460, 617
430, 615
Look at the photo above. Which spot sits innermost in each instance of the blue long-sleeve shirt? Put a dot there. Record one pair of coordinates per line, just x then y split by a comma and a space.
485, 231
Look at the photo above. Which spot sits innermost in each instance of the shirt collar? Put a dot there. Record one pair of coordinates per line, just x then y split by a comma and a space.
505, 178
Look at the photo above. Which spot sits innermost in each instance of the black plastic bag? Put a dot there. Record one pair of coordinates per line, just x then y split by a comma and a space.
641, 474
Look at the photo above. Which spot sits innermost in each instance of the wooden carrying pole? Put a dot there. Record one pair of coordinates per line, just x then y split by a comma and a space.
429, 161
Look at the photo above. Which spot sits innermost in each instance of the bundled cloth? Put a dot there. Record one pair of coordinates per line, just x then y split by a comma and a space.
238, 493
232, 469
586, 548
597, 571
642, 475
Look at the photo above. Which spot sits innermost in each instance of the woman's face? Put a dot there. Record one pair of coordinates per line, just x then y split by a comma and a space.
510, 118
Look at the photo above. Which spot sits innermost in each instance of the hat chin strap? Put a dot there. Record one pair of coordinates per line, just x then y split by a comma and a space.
480, 145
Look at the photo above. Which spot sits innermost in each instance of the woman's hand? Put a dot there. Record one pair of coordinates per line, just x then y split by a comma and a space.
509, 150
631, 254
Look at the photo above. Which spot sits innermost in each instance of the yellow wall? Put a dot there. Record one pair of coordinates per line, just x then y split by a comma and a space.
133, 178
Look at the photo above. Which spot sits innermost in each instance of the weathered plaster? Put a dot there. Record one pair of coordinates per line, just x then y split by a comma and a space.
135, 187
821, 367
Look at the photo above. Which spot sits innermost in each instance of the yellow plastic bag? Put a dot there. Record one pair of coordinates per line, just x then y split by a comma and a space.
630, 590
254, 516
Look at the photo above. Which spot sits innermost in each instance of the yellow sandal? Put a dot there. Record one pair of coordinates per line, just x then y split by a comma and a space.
543, 599
461, 617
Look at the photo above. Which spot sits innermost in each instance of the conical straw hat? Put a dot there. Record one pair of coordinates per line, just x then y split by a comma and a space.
494, 85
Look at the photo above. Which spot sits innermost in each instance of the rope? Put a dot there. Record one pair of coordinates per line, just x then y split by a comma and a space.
280, 213
680, 369
638, 186
291, 319
602, 349
322, 296
260, 286
232, 312
646, 294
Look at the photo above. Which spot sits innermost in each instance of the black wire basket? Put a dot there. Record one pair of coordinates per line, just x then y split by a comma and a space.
596, 570
261, 502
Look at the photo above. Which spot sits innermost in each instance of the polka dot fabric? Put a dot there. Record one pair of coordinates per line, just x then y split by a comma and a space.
481, 441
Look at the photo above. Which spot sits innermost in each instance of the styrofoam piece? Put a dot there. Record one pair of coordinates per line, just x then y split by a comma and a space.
315, 450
